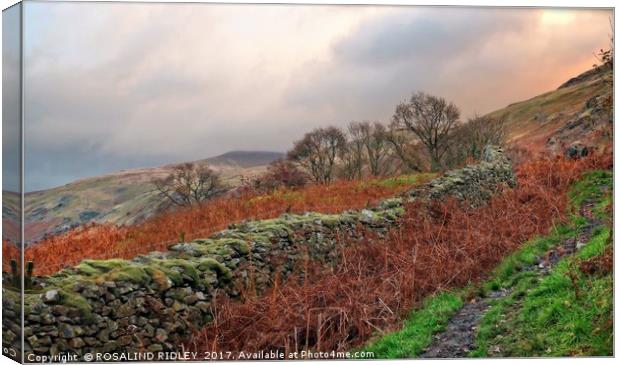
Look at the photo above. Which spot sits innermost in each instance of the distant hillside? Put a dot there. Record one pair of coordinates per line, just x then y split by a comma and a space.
575, 112
244, 159
123, 197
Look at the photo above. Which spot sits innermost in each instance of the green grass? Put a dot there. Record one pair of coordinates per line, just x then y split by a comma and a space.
589, 188
554, 317
565, 313
403, 180
418, 329
436, 311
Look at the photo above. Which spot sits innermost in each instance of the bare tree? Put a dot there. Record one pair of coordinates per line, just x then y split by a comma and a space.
431, 119
317, 152
189, 184
468, 139
404, 148
481, 131
352, 154
377, 148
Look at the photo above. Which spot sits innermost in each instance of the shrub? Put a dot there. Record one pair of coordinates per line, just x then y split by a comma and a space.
282, 174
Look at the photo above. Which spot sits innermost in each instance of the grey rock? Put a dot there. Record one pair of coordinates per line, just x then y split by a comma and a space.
161, 335
51, 296
155, 348
66, 331
76, 343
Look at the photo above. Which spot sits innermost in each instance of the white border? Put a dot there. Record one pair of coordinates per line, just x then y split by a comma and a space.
496, 3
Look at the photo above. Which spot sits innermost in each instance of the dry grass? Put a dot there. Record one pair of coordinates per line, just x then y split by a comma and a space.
156, 234
437, 246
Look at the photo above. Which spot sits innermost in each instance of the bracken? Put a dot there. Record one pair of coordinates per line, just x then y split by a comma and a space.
156, 234
437, 246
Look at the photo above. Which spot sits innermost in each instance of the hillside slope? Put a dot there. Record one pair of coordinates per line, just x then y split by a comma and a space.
123, 197
578, 111
552, 297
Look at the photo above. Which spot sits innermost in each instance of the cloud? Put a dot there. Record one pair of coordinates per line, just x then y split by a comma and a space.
481, 59
11, 108
120, 85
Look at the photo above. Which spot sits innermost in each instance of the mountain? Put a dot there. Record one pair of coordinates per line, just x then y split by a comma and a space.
123, 197
578, 111
244, 159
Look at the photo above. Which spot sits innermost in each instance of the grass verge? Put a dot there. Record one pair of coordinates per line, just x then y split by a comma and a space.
567, 313
542, 296
418, 329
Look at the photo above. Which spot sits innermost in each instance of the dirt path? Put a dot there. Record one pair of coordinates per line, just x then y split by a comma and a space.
459, 337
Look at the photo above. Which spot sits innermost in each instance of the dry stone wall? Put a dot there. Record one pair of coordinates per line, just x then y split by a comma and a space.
475, 183
151, 303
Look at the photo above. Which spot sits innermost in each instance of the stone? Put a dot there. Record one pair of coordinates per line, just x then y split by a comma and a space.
76, 343
60, 310
125, 340
149, 331
367, 214
66, 331
90, 341
64, 319
41, 350
155, 348
33, 340
54, 350
577, 150
161, 335
34, 318
51, 296
123, 311
178, 306
203, 306
110, 346
190, 299
103, 335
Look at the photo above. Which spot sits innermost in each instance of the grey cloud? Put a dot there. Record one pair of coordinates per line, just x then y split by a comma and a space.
111, 87
419, 33
481, 59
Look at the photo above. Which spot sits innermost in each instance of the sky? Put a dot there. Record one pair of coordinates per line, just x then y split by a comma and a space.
11, 122
111, 86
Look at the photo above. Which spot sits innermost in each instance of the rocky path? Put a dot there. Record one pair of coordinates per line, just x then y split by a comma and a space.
459, 337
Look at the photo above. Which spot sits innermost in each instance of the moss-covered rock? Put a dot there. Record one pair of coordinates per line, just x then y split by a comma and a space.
474, 184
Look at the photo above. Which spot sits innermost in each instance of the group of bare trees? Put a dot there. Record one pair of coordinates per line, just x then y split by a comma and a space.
425, 133
362, 149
